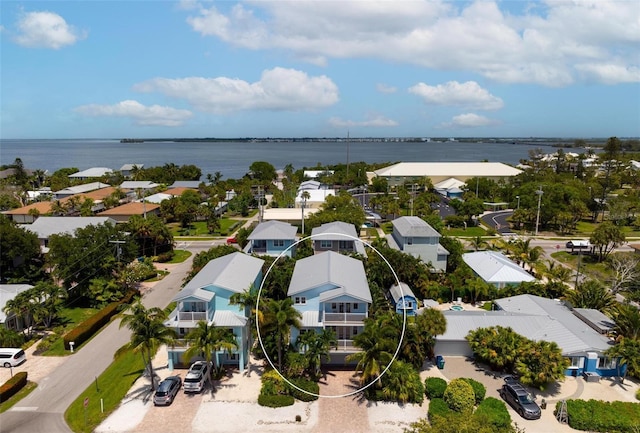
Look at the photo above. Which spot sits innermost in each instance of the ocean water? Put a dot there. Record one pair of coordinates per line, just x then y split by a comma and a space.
233, 159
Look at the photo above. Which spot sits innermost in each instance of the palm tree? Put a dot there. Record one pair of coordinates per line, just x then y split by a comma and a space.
247, 300
478, 243
377, 351
591, 294
147, 333
628, 353
627, 320
315, 347
205, 340
279, 317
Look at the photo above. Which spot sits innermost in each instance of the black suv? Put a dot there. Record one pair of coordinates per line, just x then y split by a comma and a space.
520, 399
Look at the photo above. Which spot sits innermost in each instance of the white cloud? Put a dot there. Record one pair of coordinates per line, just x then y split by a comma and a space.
468, 94
609, 73
469, 120
540, 45
277, 89
154, 115
383, 88
374, 121
45, 30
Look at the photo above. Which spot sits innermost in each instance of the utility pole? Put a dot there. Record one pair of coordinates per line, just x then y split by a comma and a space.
118, 249
539, 192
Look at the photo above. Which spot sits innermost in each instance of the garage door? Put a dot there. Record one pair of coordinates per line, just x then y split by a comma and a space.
453, 348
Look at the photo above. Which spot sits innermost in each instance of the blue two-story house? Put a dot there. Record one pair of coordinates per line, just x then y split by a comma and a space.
337, 236
402, 298
272, 238
412, 235
206, 297
331, 291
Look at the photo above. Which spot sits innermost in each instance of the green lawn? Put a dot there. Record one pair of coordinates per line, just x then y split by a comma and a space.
69, 318
6, 405
470, 232
588, 266
111, 386
179, 256
585, 228
199, 228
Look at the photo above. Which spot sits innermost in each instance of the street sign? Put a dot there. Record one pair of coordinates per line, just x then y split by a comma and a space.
86, 401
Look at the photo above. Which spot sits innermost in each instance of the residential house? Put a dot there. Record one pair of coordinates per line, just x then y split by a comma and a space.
315, 199
188, 184
403, 300
577, 333
28, 214
44, 227
138, 189
272, 238
8, 292
207, 297
337, 236
451, 188
412, 235
128, 170
91, 173
79, 189
331, 291
496, 269
124, 212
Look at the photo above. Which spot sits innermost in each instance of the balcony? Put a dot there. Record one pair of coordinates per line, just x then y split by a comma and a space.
331, 318
345, 346
190, 316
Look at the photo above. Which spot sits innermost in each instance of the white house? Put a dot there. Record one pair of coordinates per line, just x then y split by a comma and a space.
494, 268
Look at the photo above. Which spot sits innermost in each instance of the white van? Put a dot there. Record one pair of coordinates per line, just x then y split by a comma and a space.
11, 357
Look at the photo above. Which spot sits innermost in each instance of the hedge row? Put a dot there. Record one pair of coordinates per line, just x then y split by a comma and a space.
494, 412
305, 384
12, 386
85, 330
275, 400
602, 416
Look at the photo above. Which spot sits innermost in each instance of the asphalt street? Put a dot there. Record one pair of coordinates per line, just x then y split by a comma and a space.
42, 411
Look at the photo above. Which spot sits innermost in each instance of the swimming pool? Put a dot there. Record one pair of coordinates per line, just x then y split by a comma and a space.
456, 308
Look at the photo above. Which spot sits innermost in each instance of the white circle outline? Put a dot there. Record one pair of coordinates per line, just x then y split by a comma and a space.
404, 317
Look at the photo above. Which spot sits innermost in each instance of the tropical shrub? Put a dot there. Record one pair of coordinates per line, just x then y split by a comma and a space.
478, 389
638, 394
602, 416
459, 396
307, 385
438, 407
434, 387
402, 383
13, 385
277, 400
493, 411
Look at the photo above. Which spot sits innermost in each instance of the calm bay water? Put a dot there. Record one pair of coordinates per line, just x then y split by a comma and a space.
233, 159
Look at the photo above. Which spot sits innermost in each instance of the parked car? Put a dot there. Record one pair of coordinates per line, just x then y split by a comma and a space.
520, 399
232, 240
196, 377
10, 357
167, 391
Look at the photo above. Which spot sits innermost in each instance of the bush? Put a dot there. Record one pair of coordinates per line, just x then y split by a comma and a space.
165, 257
438, 407
12, 386
85, 330
602, 416
459, 396
493, 411
638, 394
305, 384
478, 389
272, 383
434, 387
277, 400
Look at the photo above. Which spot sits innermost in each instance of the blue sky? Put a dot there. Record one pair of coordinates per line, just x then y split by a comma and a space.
113, 69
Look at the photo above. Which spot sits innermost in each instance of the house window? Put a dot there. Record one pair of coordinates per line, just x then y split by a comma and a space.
355, 331
300, 300
334, 306
355, 305
344, 245
278, 243
325, 244
606, 363
409, 241
233, 357
576, 362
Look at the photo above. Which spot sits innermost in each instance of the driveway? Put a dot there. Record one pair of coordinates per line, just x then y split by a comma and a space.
570, 388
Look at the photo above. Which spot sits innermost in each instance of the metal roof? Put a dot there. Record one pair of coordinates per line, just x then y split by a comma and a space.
449, 169
344, 273
138, 184
44, 226
235, 272
413, 226
92, 172
396, 294
596, 319
224, 318
9, 292
571, 333
311, 319
129, 167
85, 187
336, 230
273, 230
494, 267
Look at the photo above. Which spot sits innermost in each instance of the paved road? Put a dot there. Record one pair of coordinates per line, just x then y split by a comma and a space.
43, 410
498, 220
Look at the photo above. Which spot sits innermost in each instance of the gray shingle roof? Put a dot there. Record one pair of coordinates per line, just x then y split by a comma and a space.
412, 226
44, 226
494, 267
344, 273
273, 230
234, 272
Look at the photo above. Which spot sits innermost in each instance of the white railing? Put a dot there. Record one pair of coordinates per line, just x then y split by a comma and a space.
345, 345
344, 317
192, 316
